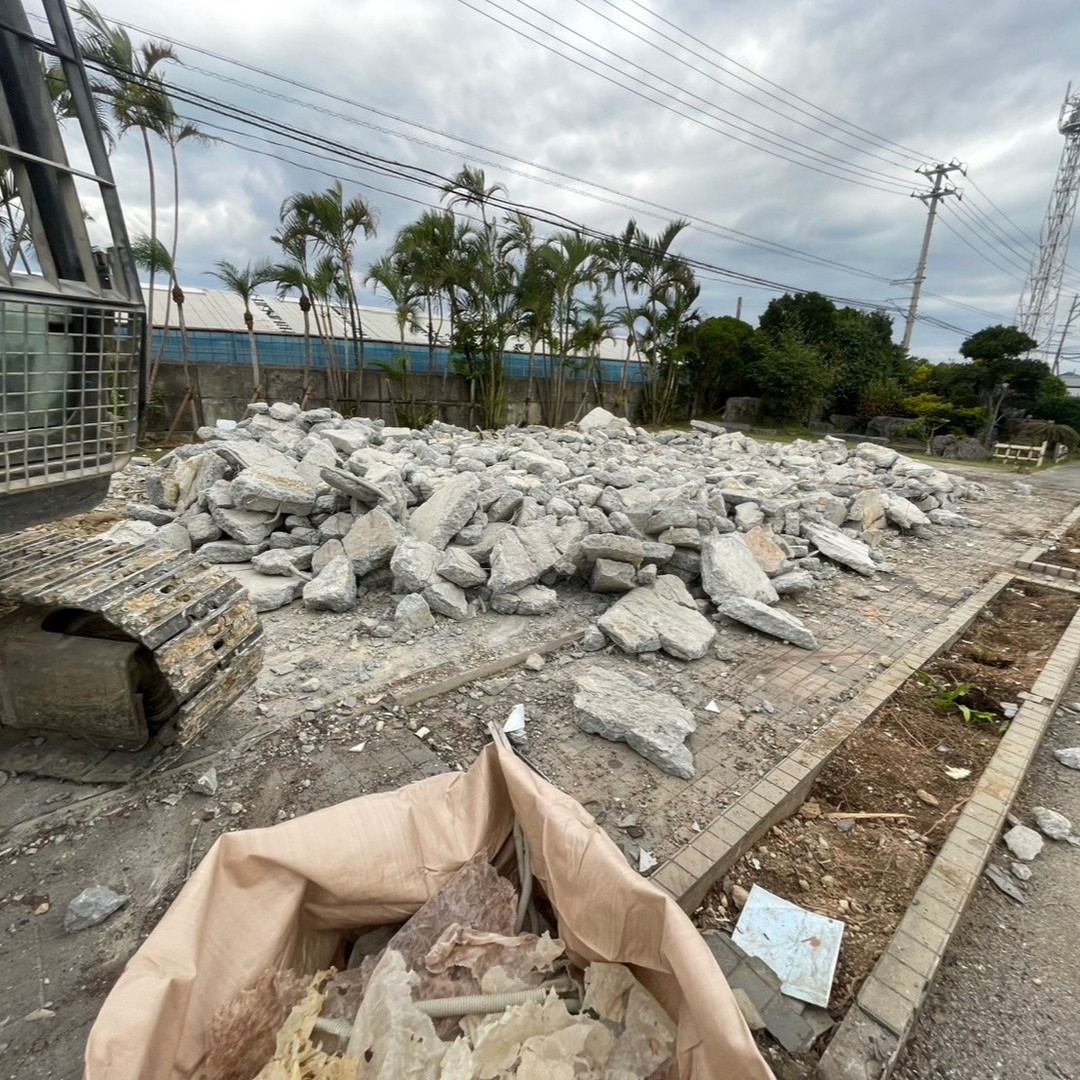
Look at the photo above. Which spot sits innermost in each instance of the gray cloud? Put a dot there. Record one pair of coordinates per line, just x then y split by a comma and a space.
981, 81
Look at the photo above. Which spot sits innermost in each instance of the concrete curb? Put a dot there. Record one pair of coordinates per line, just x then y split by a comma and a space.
1030, 560
692, 872
872, 1033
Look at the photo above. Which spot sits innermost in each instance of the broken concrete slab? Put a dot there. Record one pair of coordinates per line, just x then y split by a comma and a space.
461, 568
769, 555
609, 576
728, 568
281, 492
245, 526
266, 593
652, 723
1024, 843
333, 588
647, 620
372, 541
840, 548
413, 611
769, 620
413, 565
438, 520
446, 598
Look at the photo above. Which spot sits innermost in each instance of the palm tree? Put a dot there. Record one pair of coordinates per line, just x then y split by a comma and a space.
126, 76
244, 282
594, 328
332, 223
290, 276
469, 186
618, 258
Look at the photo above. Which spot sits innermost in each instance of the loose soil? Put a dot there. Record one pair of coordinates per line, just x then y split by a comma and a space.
865, 871
1067, 552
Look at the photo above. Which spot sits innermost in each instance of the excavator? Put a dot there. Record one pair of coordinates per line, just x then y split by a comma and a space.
109, 653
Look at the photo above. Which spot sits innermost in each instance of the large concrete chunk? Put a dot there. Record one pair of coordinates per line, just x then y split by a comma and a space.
769, 620
647, 619
609, 576
282, 492
903, 512
728, 568
244, 526
371, 541
446, 598
439, 520
413, 565
768, 554
867, 511
839, 547
266, 593
333, 588
653, 724
461, 568
512, 563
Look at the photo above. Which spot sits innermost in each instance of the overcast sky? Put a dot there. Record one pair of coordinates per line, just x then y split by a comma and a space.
907, 84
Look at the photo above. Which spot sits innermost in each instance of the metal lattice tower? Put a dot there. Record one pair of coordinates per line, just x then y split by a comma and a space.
1037, 309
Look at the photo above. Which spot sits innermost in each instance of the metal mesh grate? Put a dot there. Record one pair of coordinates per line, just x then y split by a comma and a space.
69, 380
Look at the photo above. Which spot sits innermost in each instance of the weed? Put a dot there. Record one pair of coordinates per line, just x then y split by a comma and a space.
949, 696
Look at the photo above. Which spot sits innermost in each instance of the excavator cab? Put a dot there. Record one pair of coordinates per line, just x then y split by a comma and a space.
108, 652
72, 324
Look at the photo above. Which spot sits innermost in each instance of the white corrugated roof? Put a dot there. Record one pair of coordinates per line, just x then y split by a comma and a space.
219, 309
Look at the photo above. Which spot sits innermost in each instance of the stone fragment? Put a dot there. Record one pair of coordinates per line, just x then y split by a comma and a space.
903, 512
534, 662
92, 906
1051, 823
228, 551
154, 514
1024, 843
278, 562
794, 581
748, 515
867, 511
1069, 756
413, 611
206, 783
625, 549
953, 520
133, 533
769, 620
371, 541
244, 526
284, 410
326, 553
461, 568
1004, 883
646, 620
653, 724
266, 593
880, 457
537, 600
438, 520
770, 556
599, 419
413, 565
202, 529
728, 568
609, 576
281, 492
333, 588
446, 598
839, 547
171, 537
512, 563
1020, 871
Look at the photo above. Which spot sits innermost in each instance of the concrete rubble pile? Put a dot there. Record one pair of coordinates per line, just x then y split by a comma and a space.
681, 529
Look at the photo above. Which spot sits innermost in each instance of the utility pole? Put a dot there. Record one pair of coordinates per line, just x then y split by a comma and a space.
931, 198
738, 308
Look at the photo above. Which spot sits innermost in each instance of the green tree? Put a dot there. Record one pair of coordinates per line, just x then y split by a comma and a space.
811, 314
721, 350
1001, 372
791, 375
333, 224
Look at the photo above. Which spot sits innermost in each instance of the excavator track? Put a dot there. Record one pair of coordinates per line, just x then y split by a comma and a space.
189, 629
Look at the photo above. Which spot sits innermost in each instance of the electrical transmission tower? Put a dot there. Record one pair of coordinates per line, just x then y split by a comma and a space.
1037, 309
931, 198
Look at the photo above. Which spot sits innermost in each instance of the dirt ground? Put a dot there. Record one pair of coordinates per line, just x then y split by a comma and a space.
1067, 550
864, 870
291, 746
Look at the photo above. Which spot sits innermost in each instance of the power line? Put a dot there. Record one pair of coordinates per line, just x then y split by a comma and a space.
814, 156
734, 75
696, 220
916, 154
